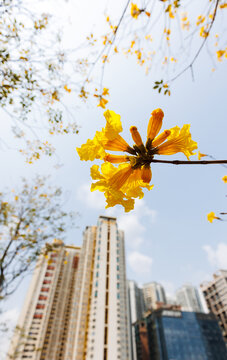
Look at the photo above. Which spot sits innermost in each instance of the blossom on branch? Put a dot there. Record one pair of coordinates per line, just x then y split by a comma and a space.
211, 216
123, 183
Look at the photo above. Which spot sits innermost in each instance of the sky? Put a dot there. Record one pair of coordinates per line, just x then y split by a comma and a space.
168, 238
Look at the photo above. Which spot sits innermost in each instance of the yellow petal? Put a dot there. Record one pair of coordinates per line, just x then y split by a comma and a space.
146, 173
178, 141
155, 123
117, 144
161, 138
136, 135
133, 186
200, 155
117, 198
116, 159
121, 176
224, 179
95, 174
91, 150
113, 124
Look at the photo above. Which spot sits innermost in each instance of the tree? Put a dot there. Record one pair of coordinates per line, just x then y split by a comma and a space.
28, 220
33, 76
165, 36
37, 71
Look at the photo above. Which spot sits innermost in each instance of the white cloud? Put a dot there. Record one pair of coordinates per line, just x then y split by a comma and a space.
139, 263
93, 200
132, 225
217, 257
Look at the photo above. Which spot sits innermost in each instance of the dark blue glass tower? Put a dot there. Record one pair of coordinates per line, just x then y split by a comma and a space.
176, 335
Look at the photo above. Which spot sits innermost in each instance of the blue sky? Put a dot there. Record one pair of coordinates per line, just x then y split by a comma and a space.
168, 238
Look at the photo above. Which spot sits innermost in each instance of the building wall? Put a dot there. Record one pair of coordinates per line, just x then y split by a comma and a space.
136, 309
76, 348
215, 294
153, 292
44, 319
100, 315
108, 331
188, 297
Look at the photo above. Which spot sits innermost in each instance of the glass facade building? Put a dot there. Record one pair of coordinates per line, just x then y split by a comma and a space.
177, 335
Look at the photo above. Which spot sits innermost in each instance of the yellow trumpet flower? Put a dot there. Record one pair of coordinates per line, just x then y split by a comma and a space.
211, 216
123, 183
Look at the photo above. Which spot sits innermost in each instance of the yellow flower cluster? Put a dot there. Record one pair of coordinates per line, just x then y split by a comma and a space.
123, 183
221, 54
211, 216
135, 11
102, 101
204, 31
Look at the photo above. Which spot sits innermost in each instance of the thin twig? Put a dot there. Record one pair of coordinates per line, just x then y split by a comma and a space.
193, 162
201, 46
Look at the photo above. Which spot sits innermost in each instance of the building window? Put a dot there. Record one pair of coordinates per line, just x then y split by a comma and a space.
118, 267
105, 336
54, 255
50, 267
43, 289
97, 274
48, 274
105, 354
118, 295
40, 306
118, 285
96, 293
37, 316
46, 282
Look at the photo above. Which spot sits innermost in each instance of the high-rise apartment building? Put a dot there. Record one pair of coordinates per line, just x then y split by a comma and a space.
188, 297
136, 309
215, 294
99, 320
44, 322
153, 292
136, 301
166, 334
77, 305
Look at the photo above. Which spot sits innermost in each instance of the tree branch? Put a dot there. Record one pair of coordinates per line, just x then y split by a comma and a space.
188, 162
200, 48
